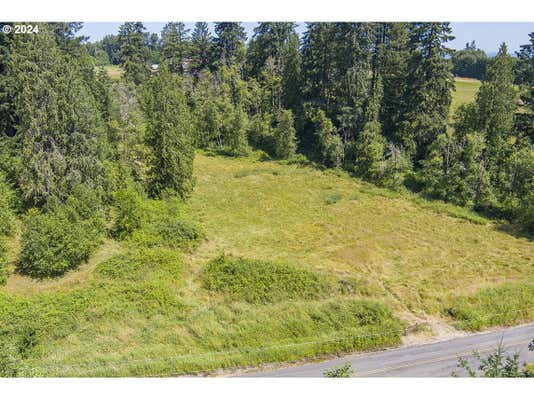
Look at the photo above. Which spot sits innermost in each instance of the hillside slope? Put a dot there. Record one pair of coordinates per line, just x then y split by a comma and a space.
296, 263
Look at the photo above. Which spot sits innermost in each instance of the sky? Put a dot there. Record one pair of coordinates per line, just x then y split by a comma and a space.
487, 35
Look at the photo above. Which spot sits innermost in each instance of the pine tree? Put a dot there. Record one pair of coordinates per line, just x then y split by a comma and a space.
133, 52
496, 104
525, 71
230, 42
169, 135
284, 136
392, 62
427, 97
235, 138
318, 65
59, 129
201, 47
370, 144
174, 45
272, 58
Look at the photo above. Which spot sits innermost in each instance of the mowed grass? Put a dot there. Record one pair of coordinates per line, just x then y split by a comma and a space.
466, 90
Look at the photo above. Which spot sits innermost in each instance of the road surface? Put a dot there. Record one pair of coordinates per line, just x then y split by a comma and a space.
428, 360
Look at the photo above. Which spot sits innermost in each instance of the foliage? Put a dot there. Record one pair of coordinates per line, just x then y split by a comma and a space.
59, 240
469, 62
257, 281
133, 54
165, 223
284, 136
174, 45
503, 305
342, 371
169, 136
61, 138
498, 364
127, 212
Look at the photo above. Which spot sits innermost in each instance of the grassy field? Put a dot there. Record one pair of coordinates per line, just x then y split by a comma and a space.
268, 263
114, 71
466, 90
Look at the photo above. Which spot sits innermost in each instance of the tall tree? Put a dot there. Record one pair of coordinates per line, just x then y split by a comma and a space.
59, 130
230, 41
133, 52
169, 135
525, 71
174, 45
469, 62
427, 98
201, 47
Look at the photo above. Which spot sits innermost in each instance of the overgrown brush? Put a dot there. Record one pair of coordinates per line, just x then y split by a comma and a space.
165, 223
57, 241
504, 305
257, 281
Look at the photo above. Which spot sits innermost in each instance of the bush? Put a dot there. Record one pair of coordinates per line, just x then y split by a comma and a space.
342, 371
57, 241
257, 281
165, 223
128, 212
139, 264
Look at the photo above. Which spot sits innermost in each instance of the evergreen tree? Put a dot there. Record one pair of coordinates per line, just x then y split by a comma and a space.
318, 65
470, 62
174, 45
370, 144
273, 59
169, 136
284, 136
392, 64
133, 51
59, 131
525, 72
230, 42
427, 97
201, 47
496, 104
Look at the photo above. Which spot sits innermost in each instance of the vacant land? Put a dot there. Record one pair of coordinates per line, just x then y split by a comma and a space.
363, 263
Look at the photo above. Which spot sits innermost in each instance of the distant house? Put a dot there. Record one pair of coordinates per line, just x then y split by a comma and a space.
154, 68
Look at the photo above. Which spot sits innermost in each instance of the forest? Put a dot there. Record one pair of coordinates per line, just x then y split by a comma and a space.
99, 142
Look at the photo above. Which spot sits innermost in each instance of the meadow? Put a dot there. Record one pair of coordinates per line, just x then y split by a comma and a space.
268, 262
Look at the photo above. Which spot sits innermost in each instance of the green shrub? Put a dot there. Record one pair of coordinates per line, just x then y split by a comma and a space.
504, 305
332, 198
165, 223
57, 241
342, 371
257, 281
142, 263
127, 212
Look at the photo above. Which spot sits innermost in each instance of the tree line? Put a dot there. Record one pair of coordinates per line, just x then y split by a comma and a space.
371, 98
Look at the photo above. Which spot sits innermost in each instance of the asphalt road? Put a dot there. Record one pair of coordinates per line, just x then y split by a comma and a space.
428, 360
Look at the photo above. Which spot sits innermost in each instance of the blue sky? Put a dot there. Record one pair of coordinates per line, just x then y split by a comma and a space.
488, 35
